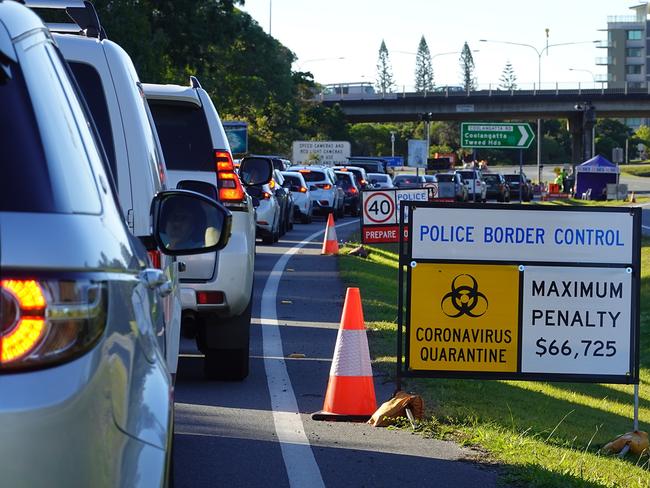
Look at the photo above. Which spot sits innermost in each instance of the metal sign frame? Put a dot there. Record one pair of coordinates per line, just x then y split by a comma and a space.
393, 225
404, 297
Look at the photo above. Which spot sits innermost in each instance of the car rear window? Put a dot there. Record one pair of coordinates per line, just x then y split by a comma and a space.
467, 175
184, 135
293, 180
445, 178
407, 179
491, 178
512, 178
345, 181
314, 176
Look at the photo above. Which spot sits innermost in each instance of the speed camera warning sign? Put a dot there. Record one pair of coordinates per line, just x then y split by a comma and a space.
379, 208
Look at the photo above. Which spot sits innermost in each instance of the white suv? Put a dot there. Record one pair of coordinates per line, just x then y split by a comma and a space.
110, 85
476, 187
323, 191
217, 288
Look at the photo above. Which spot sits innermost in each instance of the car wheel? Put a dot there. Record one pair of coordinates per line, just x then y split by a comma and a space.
230, 364
268, 239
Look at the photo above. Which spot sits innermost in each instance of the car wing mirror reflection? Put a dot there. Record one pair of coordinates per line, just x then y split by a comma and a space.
186, 222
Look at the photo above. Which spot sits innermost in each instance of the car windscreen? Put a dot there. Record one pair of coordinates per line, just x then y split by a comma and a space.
313, 176
184, 135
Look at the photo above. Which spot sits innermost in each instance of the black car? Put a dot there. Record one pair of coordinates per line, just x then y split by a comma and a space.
520, 187
409, 181
285, 200
369, 163
497, 187
347, 181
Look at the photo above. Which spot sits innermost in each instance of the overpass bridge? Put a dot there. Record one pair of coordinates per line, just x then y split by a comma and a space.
579, 106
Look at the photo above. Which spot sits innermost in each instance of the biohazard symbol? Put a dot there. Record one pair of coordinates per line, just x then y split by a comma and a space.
464, 298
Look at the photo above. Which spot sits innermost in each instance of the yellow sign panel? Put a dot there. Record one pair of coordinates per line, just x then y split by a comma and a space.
464, 317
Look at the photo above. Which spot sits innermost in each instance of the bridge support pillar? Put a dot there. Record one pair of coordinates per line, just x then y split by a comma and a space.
581, 127
576, 129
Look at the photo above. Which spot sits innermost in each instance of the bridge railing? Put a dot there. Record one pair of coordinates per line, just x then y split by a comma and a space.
495, 90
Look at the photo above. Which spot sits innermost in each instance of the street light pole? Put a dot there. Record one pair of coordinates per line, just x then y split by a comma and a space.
392, 143
539, 85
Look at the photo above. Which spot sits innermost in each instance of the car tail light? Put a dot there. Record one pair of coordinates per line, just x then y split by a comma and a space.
304, 171
209, 297
363, 182
324, 186
303, 189
354, 191
266, 195
230, 189
272, 184
44, 323
155, 258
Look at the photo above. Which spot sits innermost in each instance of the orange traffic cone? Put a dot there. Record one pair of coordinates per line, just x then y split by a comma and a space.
330, 244
350, 391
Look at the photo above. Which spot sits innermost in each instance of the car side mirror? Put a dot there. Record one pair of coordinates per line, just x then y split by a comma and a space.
255, 170
186, 222
202, 187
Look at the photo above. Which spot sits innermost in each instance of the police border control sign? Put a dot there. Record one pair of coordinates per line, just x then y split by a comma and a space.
520, 292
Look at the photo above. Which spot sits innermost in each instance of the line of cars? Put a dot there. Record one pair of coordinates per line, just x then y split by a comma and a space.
473, 184
297, 193
121, 217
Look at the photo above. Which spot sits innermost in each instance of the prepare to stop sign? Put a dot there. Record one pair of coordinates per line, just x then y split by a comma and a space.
379, 208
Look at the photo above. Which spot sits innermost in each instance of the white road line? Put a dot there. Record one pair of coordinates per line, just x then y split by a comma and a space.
299, 460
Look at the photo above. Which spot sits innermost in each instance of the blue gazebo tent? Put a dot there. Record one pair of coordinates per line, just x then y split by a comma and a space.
595, 174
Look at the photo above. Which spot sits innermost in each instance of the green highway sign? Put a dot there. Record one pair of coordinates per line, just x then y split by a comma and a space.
506, 135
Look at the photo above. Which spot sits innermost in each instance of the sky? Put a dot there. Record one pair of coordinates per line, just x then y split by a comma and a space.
338, 40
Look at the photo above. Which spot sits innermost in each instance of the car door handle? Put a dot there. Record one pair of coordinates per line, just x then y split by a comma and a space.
155, 279
182, 267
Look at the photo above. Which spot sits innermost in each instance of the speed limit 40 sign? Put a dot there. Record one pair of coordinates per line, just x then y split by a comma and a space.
381, 214
379, 208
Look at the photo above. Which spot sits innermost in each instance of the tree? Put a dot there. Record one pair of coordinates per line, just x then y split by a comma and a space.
508, 80
611, 133
467, 68
385, 80
423, 68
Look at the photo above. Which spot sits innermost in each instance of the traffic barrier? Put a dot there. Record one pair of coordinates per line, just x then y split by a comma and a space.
330, 244
350, 392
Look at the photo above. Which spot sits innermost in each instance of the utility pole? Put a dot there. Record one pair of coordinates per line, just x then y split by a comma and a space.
392, 143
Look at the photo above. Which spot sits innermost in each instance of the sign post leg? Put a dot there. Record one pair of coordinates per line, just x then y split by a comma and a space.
636, 407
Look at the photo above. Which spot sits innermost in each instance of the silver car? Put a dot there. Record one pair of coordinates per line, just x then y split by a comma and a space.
85, 395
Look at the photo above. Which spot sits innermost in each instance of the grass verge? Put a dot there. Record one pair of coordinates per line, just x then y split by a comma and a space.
544, 434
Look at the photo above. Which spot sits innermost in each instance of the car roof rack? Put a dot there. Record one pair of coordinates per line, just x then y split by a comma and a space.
82, 12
